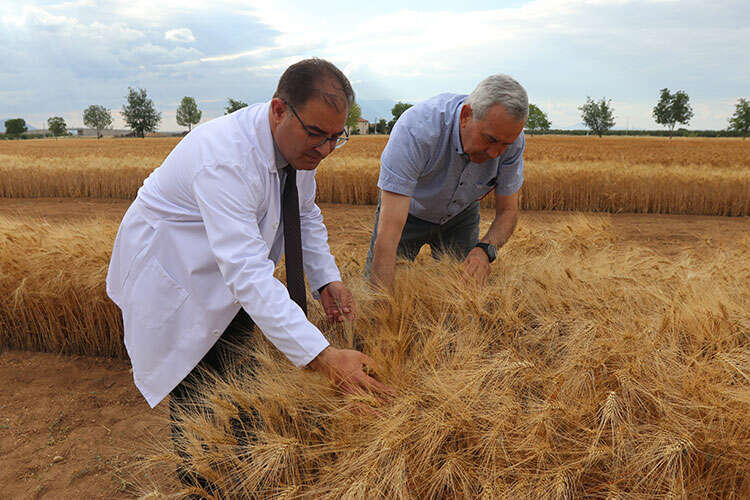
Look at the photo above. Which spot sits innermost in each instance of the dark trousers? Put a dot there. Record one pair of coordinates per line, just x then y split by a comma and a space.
187, 396
456, 237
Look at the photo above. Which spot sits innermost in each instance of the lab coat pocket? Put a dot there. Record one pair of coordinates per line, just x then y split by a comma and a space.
154, 296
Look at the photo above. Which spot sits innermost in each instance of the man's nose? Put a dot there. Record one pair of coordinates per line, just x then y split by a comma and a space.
326, 148
495, 151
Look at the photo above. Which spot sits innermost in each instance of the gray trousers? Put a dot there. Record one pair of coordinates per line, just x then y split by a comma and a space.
456, 237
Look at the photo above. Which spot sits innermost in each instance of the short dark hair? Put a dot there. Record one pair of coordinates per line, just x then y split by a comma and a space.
304, 79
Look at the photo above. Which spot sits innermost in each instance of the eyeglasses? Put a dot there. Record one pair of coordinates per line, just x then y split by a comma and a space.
316, 140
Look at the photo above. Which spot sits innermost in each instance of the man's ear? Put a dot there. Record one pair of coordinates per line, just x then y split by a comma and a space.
278, 108
466, 114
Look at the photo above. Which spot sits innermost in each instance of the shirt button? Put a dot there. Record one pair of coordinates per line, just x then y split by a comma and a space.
460, 183
276, 225
216, 333
236, 301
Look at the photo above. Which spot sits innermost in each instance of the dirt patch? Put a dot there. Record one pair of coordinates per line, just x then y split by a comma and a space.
70, 424
668, 234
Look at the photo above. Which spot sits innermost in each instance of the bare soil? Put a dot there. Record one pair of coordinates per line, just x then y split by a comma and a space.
68, 424
74, 426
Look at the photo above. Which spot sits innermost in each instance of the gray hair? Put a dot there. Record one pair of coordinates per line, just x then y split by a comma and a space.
499, 89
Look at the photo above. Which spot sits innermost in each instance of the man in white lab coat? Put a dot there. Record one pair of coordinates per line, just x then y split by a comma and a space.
194, 257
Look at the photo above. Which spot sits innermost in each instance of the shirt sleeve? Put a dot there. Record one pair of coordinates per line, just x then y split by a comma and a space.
510, 170
402, 161
320, 265
231, 207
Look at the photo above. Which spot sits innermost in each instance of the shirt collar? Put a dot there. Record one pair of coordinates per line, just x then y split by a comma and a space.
456, 145
279, 160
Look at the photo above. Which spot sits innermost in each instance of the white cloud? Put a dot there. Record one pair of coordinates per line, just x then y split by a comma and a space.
32, 16
110, 32
562, 50
150, 11
156, 54
182, 35
72, 5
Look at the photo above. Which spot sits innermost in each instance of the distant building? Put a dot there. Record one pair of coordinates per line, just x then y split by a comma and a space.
363, 126
107, 132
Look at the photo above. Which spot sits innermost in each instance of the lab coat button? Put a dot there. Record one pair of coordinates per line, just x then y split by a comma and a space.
216, 333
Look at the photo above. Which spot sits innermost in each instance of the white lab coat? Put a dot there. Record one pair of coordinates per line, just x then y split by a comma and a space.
200, 240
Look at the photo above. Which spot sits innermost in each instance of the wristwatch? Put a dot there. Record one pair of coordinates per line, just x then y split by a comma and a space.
490, 250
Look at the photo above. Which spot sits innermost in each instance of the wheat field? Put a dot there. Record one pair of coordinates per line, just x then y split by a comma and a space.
586, 367
621, 174
591, 365
582, 370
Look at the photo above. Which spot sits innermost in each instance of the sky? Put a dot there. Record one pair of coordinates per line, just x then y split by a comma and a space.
59, 57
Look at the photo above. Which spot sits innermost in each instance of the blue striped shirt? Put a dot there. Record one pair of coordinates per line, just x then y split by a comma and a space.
424, 159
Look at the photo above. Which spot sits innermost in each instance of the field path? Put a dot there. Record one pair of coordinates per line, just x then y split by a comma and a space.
665, 233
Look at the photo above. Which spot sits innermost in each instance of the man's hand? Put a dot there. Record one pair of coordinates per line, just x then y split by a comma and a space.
477, 265
338, 302
343, 367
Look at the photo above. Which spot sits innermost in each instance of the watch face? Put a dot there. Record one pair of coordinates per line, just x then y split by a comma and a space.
491, 252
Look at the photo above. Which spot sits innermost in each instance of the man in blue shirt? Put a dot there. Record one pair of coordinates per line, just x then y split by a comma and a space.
443, 156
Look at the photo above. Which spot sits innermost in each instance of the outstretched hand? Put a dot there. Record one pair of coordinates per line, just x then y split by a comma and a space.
477, 265
344, 368
338, 302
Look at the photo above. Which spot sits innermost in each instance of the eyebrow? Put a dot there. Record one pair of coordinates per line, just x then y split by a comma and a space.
323, 132
493, 138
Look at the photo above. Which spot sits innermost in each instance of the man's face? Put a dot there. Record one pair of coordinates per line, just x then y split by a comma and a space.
295, 143
489, 137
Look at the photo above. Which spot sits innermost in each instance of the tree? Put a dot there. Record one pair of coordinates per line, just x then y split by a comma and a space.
15, 126
234, 106
537, 120
739, 121
98, 118
139, 112
57, 126
598, 116
188, 113
352, 119
397, 110
672, 109
381, 127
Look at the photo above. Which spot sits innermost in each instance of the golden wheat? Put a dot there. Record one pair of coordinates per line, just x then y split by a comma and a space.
73, 147
580, 371
593, 187
52, 295
585, 368
648, 175
721, 152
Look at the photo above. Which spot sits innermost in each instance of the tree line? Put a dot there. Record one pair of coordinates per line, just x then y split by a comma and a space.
141, 116
671, 109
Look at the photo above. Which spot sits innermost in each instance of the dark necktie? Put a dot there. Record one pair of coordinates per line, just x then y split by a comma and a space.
295, 276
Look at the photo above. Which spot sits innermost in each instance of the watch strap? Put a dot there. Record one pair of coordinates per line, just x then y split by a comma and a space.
486, 248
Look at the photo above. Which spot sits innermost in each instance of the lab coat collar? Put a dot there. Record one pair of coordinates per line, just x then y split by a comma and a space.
279, 160
256, 126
